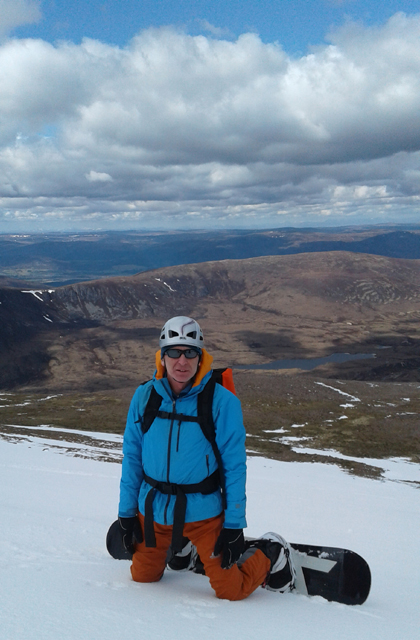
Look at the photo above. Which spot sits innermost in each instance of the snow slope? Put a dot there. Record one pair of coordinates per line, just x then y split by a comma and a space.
58, 583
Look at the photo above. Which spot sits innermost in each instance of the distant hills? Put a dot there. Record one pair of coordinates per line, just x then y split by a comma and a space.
103, 333
58, 259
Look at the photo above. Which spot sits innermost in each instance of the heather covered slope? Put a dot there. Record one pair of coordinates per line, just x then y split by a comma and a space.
101, 334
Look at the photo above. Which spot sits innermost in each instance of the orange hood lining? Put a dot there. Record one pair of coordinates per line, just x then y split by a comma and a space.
204, 367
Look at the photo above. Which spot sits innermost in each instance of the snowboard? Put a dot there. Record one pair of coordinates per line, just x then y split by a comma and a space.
338, 575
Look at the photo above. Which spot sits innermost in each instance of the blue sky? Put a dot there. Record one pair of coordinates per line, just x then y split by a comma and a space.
295, 24
159, 114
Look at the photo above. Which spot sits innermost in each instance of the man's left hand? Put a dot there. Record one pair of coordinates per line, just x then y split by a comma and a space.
231, 545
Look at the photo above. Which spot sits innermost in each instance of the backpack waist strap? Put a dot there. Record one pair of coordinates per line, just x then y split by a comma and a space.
206, 486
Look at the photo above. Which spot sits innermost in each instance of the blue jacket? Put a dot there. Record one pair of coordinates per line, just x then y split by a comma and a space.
181, 454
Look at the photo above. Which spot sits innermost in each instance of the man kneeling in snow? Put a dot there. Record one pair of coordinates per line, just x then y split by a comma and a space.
175, 483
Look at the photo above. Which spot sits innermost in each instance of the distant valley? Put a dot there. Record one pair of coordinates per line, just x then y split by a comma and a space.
71, 356
58, 259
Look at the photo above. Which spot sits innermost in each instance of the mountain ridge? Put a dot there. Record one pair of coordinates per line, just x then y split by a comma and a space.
103, 333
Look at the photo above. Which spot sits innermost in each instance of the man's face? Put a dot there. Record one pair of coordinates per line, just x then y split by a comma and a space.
180, 370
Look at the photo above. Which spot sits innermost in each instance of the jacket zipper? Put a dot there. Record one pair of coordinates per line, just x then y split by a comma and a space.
178, 435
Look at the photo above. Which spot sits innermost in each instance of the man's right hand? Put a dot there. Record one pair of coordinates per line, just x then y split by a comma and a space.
131, 532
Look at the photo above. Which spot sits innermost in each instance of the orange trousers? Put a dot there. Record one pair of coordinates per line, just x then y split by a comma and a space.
230, 584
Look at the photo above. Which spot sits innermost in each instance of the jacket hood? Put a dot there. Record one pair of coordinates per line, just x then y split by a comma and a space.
204, 367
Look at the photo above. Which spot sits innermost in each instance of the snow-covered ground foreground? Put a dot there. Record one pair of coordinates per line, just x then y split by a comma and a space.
58, 582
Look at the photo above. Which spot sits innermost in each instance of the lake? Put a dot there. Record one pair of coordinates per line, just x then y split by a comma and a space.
307, 363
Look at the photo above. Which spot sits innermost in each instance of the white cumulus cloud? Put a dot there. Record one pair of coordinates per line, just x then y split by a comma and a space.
193, 130
95, 176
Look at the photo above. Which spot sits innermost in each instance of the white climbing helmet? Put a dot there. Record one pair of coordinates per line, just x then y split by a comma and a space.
179, 331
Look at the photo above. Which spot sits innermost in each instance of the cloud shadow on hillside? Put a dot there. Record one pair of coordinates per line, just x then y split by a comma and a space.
271, 345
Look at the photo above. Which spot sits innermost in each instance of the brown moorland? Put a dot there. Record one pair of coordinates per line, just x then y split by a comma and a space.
90, 344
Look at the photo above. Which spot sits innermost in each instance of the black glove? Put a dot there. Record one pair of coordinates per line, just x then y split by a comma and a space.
231, 544
130, 532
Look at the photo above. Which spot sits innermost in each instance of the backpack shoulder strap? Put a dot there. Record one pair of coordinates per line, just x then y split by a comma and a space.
151, 409
224, 377
205, 415
205, 409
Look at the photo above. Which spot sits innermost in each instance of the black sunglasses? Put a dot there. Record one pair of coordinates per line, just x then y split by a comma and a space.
177, 353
